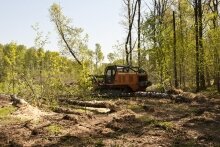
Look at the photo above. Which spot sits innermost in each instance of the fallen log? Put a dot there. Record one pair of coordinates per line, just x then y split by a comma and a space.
66, 110
99, 110
174, 91
96, 104
85, 110
153, 95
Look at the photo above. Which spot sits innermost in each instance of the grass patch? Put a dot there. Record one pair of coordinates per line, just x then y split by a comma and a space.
6, 111
135, 107
156, 123
54, 129
99, 143
165, 125
5, 115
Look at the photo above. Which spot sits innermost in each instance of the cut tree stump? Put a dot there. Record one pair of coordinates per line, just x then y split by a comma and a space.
17, 101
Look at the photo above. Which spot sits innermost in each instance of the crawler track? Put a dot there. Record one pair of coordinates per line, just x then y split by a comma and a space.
149, 94
115, 93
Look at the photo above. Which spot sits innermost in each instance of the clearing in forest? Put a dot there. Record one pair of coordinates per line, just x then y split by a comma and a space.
131, 122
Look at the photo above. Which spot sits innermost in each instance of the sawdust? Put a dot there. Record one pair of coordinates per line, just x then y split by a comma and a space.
28, 112
25, 111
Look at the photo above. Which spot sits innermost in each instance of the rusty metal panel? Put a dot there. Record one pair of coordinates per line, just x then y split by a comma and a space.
130, 79
119, 78
123, 79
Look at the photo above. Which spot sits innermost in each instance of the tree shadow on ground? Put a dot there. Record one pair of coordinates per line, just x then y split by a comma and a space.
208, 129
68, 140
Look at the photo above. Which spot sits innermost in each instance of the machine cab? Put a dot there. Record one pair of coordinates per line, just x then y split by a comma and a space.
110, 74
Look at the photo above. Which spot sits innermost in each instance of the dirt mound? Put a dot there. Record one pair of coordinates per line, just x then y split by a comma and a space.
188, 97
29, 112
125, 121
124, 112
26, 111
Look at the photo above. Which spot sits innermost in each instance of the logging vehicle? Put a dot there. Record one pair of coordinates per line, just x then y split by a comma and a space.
122, 78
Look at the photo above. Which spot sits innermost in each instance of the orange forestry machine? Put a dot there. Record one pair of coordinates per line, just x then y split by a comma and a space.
123, 78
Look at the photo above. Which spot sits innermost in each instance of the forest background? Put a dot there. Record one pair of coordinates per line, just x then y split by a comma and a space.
175, 41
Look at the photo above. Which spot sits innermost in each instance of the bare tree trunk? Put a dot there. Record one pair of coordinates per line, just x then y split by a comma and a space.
139, 33
130, 40
182, 52
41, 79
97, 104
29, 85
208, 79
197, 45
13, 79
201, 58
160, 7
129, 34
216, 55
126, 54
218, 77
174, 51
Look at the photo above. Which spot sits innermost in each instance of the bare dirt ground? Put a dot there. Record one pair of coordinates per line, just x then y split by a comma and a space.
134, 122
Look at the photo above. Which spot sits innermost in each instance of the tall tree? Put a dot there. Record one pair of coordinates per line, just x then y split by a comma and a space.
174, 51
98, 55
197, 45
70, 36
201, 48
1, 62
10, 64
214, 7
129, 35
129, 6
139, 33
181, 5
40, 41
111, 57
200, 73
160, 8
